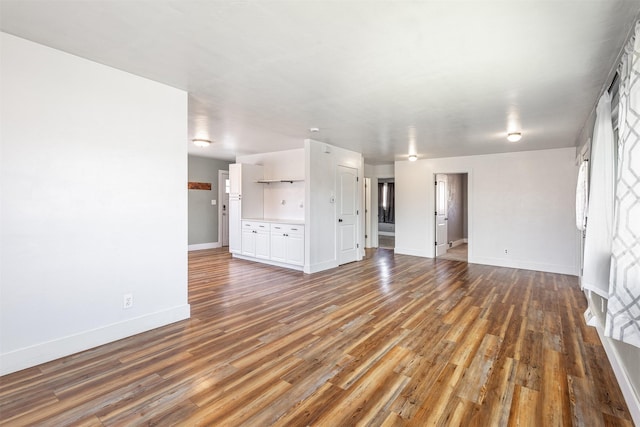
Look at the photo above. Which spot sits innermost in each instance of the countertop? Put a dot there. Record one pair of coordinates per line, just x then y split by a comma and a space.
277, 220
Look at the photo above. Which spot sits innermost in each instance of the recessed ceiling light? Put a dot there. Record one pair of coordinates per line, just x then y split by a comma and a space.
514, 136
314, 129
413, 158
202, 142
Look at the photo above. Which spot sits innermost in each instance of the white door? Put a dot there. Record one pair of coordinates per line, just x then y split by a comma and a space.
346, 209
441, 214
223, 213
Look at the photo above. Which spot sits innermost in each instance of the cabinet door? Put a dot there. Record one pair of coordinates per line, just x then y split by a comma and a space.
249, 242
295, 249
278, 246
262, 244
235, 179
235, 225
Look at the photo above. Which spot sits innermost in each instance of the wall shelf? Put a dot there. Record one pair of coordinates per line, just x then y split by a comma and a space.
269, 181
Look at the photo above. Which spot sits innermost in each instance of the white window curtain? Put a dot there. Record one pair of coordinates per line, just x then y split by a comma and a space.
599, 229
582, 195
623, 308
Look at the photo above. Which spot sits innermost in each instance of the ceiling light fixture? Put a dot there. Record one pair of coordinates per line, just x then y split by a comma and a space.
514, 136
413, 158
202, 142
314, 129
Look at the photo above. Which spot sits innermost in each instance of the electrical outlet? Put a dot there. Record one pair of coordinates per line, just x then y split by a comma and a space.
506, 251
127, 301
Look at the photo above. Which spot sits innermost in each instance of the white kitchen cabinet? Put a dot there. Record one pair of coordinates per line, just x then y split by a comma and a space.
255, 239
246, 200
235, 225
287, 243
248, 241
278, 250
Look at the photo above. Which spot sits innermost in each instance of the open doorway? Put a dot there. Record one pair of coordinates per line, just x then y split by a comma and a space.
452, 216
386, 213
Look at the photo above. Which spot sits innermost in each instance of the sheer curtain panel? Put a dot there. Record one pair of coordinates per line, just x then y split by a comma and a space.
599, 229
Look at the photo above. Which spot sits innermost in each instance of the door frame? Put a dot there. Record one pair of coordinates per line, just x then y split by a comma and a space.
367, 213
221, 187
469, 201
443, 246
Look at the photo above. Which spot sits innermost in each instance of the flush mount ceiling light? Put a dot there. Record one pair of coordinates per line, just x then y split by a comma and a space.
314, 130
514, 136
413, 158
202, 142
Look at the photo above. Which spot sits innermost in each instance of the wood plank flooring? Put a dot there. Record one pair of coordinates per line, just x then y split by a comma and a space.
390, 341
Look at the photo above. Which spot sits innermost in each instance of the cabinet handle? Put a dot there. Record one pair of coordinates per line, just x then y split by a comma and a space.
294, 229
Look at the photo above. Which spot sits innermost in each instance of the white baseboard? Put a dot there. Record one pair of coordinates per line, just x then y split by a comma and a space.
47, 351
268, 261
411, 252
525, 265
200, 246
321, 266
633, 402
458, 242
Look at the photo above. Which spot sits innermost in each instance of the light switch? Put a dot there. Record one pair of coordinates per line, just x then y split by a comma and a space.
213, 202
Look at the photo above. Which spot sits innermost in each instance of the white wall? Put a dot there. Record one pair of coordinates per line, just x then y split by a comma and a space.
321, 219
520, 202
94, 204
282, 200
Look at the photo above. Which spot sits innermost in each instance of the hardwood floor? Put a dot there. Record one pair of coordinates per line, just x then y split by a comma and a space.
392, 340
459, 253
386, 242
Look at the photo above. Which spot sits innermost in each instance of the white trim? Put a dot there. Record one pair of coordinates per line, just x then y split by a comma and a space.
44, 352
200, 246
270, 262
321, 266
221, 189
411, 252
386, 233
525, 265
458, 242
633, 402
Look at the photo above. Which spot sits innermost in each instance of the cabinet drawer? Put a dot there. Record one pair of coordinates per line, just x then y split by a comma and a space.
255, 225
287, 228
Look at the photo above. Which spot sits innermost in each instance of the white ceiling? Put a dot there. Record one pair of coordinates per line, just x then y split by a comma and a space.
439, 78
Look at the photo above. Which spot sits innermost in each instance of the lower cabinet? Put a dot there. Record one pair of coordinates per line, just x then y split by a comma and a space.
255, 239
277, 242
287, 243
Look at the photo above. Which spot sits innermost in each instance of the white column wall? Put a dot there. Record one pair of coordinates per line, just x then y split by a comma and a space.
321, 161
